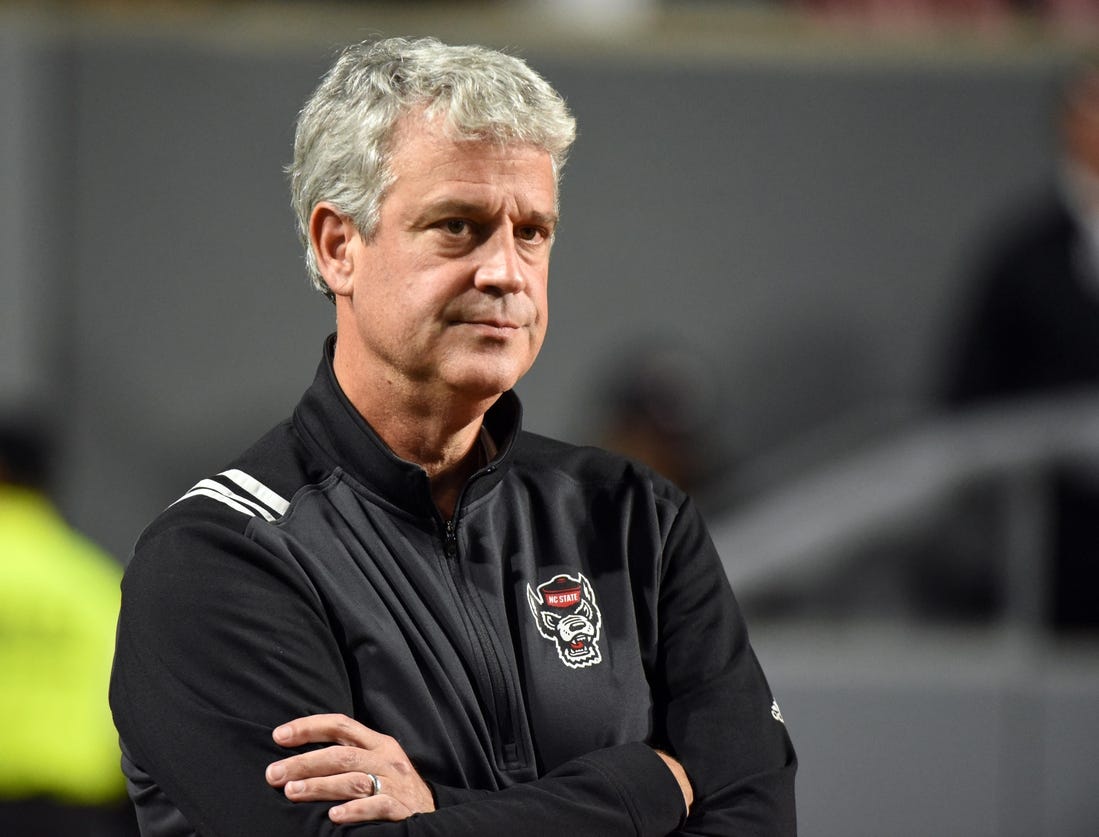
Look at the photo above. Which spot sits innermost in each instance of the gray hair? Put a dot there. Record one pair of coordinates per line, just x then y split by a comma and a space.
342, 146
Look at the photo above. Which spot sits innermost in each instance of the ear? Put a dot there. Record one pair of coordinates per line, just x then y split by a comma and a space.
332, 235
549, 622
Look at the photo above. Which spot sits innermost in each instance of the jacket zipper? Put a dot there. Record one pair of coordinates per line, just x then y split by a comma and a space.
450, 543
502, 691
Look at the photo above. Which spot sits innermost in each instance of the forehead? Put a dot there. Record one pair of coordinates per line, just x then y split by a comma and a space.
427, 156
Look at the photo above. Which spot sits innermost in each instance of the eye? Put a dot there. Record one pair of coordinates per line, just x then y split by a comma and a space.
531, 234
456, 226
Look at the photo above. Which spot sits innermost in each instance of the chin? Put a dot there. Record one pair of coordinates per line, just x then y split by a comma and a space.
485, 389
488, 372
486, 382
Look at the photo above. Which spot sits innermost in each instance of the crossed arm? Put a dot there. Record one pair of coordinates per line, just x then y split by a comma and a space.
341, 772
213, 654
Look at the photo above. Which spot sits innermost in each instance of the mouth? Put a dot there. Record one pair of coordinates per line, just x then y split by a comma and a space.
494, 323
492, 328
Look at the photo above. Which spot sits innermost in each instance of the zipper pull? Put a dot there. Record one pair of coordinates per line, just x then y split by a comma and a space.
451, 543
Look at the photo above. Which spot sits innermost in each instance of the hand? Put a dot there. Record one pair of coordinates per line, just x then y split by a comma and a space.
681, 777
340, 772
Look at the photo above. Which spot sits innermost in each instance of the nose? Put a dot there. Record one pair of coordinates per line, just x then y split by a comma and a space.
500, 270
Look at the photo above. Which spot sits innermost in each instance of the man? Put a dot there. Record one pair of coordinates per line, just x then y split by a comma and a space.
1031, 330
1032, 326
493, 631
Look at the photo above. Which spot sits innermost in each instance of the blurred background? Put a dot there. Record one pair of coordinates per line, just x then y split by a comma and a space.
779, 278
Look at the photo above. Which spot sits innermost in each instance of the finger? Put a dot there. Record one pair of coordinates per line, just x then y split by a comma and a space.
340, 788
382, 808
330, 728
330, 761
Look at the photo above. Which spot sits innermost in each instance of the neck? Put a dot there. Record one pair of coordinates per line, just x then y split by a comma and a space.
448, 457
447, 481
440, 434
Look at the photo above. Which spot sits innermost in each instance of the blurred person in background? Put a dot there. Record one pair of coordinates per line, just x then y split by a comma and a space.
59, 755
494, 632
1031, 330
657, 403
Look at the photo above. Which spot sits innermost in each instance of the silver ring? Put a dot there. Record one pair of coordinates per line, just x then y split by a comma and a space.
376, 783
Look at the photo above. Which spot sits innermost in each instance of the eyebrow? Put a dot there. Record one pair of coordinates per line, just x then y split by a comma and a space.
458, 207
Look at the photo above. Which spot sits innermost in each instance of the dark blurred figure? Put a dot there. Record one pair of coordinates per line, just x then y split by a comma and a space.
59, 756
658, 406
1032, 329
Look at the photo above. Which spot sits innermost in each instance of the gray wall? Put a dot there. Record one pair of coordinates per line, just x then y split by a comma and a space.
801, 223
35, 223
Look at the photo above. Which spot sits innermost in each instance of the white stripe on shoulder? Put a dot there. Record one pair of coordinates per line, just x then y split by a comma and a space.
258, 490
212, 485
221, 498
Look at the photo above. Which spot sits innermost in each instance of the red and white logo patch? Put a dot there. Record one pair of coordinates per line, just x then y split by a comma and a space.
566, 614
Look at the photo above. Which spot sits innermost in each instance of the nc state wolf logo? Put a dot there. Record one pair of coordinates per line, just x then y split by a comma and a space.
566, 614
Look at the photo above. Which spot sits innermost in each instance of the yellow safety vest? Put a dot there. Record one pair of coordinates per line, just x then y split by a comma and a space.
59, 600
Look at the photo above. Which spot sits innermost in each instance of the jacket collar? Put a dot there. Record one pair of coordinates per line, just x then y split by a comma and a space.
334, 429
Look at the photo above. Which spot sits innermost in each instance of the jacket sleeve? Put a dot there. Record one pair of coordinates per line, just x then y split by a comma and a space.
718, 715
219, 642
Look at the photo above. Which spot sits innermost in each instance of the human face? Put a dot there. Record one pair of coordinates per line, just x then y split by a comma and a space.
448, 295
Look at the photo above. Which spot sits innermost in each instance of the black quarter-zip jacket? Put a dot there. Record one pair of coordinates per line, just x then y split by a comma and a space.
527, 654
